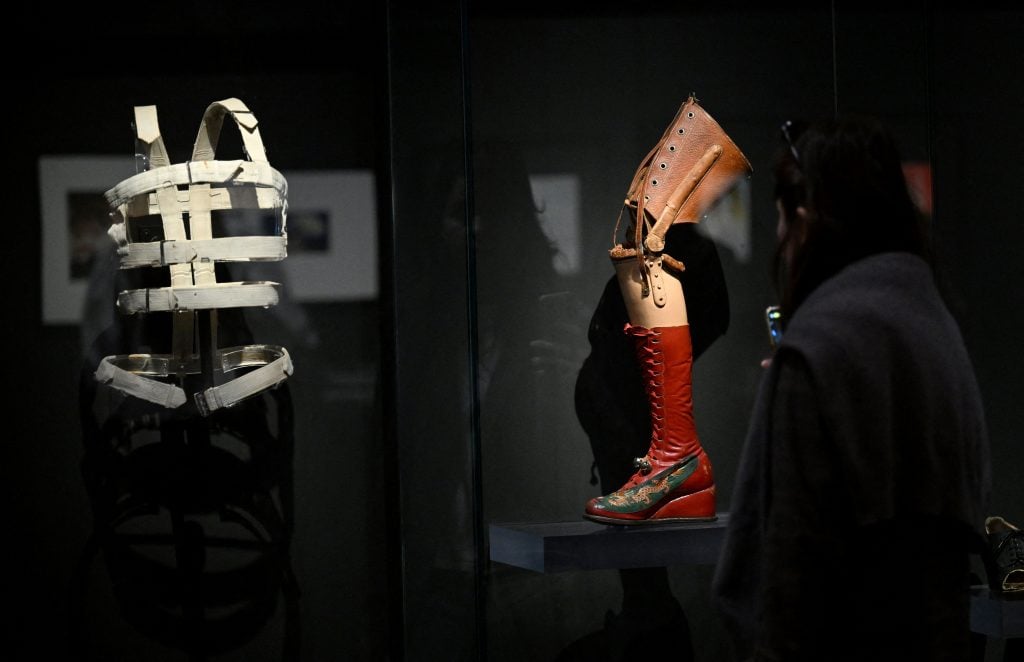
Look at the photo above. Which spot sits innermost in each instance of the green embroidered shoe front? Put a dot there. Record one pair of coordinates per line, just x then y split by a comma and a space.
650, 491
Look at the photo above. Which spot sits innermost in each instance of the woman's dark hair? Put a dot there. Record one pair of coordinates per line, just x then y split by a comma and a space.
847, 174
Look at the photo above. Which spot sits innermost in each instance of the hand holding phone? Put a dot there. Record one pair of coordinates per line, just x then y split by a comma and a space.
773, 318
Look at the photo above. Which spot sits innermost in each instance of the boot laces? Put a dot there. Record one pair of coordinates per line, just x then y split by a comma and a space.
653, 363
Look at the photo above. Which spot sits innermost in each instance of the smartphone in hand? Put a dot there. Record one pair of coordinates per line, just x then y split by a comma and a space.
773, 318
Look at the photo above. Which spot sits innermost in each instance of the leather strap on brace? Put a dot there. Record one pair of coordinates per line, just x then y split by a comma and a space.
690, 168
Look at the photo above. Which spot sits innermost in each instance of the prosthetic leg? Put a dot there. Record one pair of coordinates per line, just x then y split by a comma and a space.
685, 174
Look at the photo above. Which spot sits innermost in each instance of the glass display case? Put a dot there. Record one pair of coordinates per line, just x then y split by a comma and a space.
416, 489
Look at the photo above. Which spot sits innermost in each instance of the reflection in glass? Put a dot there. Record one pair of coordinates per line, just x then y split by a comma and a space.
193, 520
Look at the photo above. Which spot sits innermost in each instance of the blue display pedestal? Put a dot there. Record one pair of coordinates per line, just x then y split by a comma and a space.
583, 545
995, 616
586, 545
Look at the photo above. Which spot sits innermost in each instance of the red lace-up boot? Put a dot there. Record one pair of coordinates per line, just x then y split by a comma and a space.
673, 481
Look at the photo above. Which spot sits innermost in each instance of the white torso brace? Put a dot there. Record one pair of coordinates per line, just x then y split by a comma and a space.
193, 190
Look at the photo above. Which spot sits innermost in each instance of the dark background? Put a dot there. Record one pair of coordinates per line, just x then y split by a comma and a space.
398, 459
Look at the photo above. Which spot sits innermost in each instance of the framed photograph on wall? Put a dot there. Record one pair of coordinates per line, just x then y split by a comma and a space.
75, 218
557, 198
332, 232
332, 236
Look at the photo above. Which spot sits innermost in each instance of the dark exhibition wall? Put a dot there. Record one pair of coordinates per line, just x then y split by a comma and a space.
464, 166
919, 71
269, 562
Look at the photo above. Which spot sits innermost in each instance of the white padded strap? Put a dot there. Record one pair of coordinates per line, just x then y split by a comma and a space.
222, 249
271, 374
147, 129
134, 383
134, 375
206, 172
221, 198
200, 228
174, 229
209, 130
218, 295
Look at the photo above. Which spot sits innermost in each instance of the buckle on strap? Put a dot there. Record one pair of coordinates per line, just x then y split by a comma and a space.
136, 375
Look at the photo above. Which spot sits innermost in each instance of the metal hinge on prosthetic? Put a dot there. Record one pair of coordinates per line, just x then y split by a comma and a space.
648, 242
691, 165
